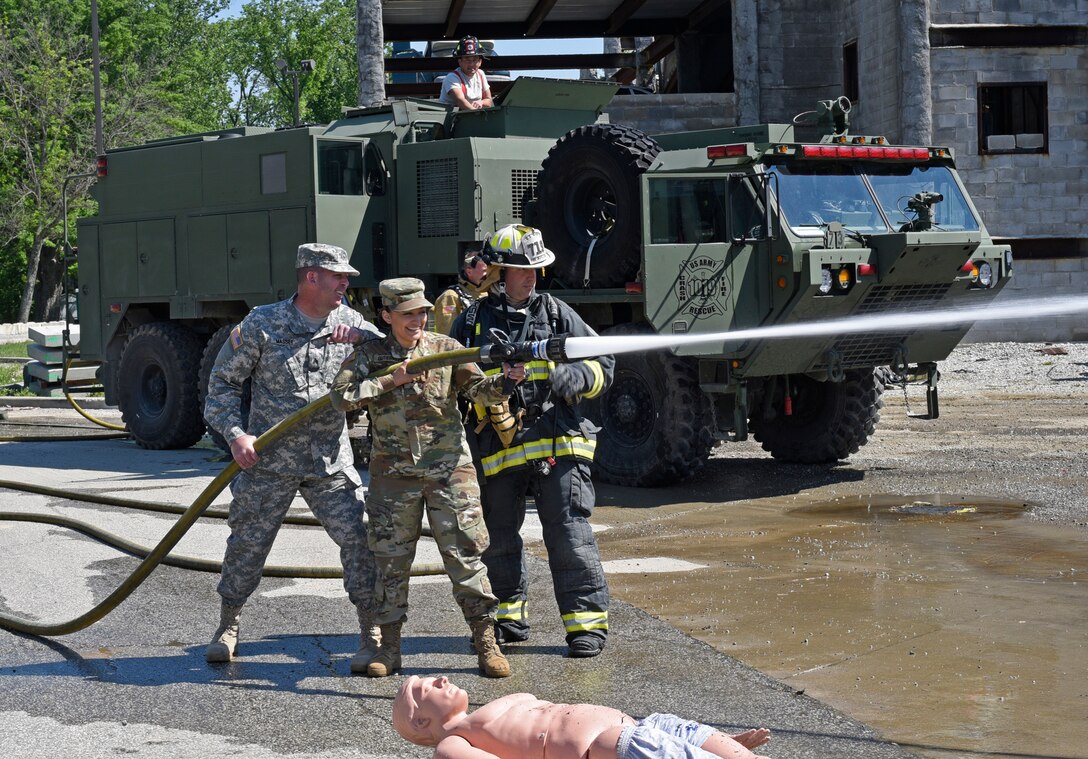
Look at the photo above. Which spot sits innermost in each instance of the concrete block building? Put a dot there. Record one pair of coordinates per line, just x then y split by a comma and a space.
1004, 83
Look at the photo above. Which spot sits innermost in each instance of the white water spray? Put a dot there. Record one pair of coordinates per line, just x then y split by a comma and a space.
584, 347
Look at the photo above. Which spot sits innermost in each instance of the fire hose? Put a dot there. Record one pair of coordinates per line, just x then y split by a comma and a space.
502, 350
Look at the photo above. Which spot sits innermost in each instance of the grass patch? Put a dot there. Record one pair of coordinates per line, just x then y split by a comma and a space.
11, 374
14, 350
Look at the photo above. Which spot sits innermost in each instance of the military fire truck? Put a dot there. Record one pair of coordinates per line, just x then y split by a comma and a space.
675, 234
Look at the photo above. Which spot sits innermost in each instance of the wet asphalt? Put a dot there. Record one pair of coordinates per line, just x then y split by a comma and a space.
136, 683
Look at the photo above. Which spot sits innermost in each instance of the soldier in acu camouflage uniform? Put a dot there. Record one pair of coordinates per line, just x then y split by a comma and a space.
291, 351
421, 461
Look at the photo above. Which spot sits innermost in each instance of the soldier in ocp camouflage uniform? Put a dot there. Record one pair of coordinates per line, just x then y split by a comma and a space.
291, 351
421, 460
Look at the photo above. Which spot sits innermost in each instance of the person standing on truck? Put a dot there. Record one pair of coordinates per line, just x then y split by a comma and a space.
466, 86
291, 352
471, 285
543, 446
421, 462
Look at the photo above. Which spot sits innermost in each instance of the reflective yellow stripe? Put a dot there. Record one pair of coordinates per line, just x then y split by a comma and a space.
535, 371
579, 621
522, 454
598, 379
514, 611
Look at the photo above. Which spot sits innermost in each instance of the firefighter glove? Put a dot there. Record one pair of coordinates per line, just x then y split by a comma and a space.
571, 380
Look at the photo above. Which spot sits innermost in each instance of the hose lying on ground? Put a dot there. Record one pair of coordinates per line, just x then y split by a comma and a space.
158, 554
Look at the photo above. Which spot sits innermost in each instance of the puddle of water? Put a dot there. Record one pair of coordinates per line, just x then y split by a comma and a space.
950, 624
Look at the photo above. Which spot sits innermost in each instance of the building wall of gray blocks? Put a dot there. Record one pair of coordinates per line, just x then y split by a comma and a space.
1019, 194
1009, 11
661, 114
876, 29
1032, 279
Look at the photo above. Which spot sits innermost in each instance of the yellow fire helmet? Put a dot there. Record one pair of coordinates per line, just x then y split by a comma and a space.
517, 247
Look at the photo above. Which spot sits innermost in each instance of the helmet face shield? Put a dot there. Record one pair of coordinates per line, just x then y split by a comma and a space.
518, 247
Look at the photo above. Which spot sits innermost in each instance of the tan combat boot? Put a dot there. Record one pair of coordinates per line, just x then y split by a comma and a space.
387, 660
492, 662
225, 640
369, 640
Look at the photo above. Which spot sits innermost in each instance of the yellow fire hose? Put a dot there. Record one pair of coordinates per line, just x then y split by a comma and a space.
64, 384
159, 553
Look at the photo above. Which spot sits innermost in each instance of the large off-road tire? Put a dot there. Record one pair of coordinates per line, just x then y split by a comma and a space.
656, 422
829, 420
207, 361
589, 181
157, 387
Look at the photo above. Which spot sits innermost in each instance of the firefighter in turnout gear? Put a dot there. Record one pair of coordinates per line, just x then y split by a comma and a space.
543, 447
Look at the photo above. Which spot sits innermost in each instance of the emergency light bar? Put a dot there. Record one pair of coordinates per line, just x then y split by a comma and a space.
864, 151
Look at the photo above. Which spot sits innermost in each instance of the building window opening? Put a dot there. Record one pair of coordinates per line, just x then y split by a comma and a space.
1012, 118
850, 81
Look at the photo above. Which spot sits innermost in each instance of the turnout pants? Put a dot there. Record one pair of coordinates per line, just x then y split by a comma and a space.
261, 501
564, 502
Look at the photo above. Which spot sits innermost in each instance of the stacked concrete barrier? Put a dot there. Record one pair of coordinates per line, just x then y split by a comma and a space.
44, 373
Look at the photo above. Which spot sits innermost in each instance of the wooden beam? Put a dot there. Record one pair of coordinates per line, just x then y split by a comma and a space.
518, 62
512, 30
619, 17
536, 18
453, 18
656, 50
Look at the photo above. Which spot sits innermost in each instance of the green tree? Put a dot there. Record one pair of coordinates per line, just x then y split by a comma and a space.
154, 82
292, 31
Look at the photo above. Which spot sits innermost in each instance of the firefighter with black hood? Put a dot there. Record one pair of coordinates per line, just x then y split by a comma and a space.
540, 444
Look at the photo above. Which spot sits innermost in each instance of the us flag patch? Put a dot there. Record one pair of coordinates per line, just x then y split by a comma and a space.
236, 337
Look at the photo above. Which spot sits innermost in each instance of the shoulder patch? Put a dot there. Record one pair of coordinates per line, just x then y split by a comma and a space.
236, 337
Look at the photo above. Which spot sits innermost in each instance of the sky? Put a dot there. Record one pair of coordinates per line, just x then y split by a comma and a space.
514, 47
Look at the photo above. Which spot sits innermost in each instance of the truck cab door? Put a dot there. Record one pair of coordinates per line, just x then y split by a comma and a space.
705, 264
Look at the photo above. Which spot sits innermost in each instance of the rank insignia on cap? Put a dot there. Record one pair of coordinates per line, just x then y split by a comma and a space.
236, 337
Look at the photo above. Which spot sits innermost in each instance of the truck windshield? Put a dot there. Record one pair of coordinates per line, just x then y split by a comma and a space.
812, 196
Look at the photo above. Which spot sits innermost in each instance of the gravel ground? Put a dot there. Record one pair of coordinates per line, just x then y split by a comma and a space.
1017, 368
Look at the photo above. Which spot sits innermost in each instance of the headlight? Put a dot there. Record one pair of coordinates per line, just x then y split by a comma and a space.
826, 281
985, 274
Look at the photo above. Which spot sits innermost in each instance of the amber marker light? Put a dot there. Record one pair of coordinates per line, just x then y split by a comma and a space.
844, 278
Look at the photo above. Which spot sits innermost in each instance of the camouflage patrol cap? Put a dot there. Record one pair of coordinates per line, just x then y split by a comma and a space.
403, 294
328, 257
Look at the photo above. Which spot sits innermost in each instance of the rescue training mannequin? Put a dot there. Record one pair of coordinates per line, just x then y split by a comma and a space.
432, 711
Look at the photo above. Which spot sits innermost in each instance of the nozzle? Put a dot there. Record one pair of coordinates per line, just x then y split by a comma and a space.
502, 349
